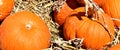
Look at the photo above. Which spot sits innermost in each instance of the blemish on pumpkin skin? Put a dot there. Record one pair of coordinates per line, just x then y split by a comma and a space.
1, 2
28, 26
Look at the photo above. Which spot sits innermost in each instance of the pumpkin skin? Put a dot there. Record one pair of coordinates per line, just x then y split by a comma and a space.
24, 31
94, 34
60, 16
6, 7
116, 47
99, 2
112, 8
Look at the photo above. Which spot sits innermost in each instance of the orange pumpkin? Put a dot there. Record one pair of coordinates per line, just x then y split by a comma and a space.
24, 31
72, 3
94, 34
116, 47
6, 7
99, 2
60, 16
112, 8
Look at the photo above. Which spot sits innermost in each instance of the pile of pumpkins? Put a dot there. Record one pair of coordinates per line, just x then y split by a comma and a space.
26, 31
96, 28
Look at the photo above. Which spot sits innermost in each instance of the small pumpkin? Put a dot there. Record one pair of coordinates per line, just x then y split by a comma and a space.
79, 26
99, 2
60, 16
24, 31
116, 47
6, 7
112, 8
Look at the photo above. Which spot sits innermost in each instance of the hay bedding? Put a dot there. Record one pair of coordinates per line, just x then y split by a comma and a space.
44, 9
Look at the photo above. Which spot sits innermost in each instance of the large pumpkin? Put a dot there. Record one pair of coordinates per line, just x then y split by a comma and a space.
6, 7
60, 16
93, 31
116, 47
24, 31
112, 8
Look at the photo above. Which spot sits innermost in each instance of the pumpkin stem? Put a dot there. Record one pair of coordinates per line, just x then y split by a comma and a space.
28, 26
87, 6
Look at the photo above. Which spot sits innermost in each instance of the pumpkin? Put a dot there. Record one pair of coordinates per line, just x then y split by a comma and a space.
24, 31
72, 3
6, 7
92, 31
112, 8
60, 16
99, 2
116, 47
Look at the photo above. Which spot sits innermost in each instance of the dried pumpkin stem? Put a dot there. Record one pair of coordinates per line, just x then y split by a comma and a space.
87, 6
28, 26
